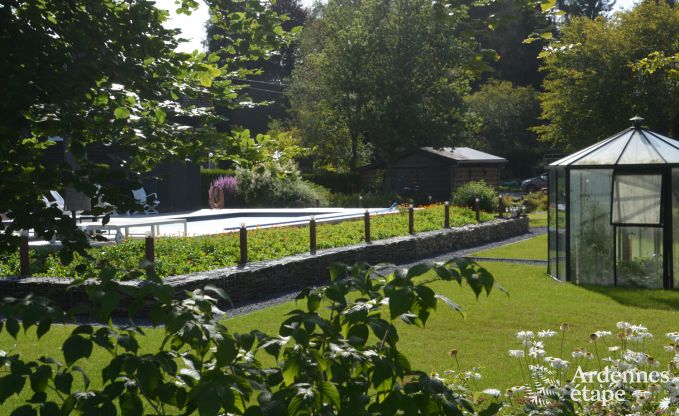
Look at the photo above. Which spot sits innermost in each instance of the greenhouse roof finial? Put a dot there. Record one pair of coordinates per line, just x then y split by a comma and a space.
637, 121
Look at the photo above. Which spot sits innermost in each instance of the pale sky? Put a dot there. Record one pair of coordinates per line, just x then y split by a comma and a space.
193, 27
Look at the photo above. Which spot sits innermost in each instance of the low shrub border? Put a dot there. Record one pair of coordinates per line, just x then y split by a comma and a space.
265, 279
186, 255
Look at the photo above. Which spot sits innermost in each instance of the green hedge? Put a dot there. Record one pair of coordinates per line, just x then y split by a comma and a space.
336, 182
370, 200
181, 255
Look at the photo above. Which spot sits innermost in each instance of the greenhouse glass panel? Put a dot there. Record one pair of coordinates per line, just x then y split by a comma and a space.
604, 155
551, 225
636, 199
666, 147
639, 151
561, 207
639, 259
675, 227
591, 231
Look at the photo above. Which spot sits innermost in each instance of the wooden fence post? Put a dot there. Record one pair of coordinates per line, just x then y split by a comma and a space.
312, 235
243, 245
446, 216
150, 252
366, 221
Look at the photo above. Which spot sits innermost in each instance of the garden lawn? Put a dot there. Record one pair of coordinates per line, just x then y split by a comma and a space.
536, 302
537, 219
183, 255
530, 249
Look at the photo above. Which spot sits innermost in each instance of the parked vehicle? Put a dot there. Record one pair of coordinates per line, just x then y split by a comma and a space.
534, 184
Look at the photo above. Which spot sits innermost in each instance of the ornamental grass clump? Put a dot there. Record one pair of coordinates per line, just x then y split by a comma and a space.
223, 192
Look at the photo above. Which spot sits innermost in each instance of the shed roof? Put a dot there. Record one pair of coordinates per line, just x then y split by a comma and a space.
632, 146
465, 155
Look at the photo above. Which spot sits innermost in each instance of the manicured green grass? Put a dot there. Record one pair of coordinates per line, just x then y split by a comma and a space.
538, 219
183, 255
536, 302
531, 249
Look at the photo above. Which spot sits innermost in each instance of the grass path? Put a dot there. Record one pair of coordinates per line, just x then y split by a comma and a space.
530, 249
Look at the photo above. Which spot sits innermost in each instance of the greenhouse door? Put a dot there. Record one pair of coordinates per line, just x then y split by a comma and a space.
639, 257
638, 216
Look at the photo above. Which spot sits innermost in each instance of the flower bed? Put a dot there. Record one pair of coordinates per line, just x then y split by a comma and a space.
184, 255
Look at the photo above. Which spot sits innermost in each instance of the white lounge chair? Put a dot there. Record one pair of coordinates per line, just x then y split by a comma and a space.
57, 200
148, 201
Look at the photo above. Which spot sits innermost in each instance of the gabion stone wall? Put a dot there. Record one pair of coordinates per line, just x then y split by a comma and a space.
262, 280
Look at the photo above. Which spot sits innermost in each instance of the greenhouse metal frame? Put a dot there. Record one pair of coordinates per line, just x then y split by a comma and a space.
614, 211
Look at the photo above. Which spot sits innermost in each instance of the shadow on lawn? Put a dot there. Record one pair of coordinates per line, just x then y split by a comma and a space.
640, 298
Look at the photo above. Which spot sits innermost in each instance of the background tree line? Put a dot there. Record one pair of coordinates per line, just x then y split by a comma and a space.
373, 80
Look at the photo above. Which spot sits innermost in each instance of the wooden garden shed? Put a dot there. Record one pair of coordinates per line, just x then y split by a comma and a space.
436, 172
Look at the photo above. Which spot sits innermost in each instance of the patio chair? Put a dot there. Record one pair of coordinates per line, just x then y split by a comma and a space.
57, 200
148, 201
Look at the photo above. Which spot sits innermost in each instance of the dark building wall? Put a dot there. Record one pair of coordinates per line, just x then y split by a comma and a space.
178, 186
422, 174
490, 173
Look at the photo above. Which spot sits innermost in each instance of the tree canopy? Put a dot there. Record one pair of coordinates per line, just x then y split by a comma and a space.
105, 73
382, 76
505, 114
264, 84
596, 81
510, 22
586, 8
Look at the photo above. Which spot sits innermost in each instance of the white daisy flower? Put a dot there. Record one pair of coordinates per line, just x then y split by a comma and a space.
538, 344
492, 392
558, 364
512, 391
536, 352
547, 333
673, 385
642, 396
664, 404
525, 335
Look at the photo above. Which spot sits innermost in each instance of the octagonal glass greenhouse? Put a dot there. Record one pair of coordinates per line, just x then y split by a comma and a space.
614, 212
